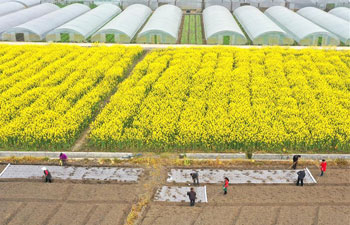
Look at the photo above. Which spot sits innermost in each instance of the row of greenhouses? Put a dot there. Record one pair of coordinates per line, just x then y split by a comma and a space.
137, 23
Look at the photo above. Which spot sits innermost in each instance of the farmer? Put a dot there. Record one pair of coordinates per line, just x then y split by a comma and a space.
63, 159
225, 185
301, 176
195, 178
192, 195
295, 161
47, 174
323, 167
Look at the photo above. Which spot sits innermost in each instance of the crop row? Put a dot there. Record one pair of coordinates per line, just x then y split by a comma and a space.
48, 95
224, 98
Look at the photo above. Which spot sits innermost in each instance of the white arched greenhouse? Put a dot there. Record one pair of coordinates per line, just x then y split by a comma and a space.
261, 29
124, 27
10, 7
36, 30
82, 27
336, 25
221, 28
302, 30
162, 27
16, 18
341, 12
28, 3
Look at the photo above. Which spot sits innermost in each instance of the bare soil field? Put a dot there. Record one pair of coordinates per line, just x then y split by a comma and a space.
326, 203
65, 203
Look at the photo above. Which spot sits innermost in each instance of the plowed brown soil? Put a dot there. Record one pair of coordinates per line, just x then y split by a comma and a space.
326, 203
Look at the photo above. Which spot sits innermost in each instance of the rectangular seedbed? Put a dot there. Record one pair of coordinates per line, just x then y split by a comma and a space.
179, 194
214, 176
73, 173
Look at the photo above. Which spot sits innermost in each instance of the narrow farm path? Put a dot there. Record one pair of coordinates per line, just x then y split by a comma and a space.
82, 140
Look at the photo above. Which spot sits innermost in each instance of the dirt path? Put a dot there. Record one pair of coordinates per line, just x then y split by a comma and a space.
81, 143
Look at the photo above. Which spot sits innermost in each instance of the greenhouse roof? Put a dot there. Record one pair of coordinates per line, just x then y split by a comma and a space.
297, 26
166, 18
334, 24
256, 23
91, 21
341, 12
218, 19
48, 22
9, 7
16, 18
129, 21
28, 3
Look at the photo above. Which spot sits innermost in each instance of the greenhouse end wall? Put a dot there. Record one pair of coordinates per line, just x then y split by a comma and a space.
28, 36
156, 38
73, 37
118, 38
222, 39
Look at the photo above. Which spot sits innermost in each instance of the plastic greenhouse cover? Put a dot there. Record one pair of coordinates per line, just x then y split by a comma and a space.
14, 19
9, 7
218, 19
91, 21
166, 18
256, 23
297, 26
28, 3
341, 12
129, 21
334, 24
48, 22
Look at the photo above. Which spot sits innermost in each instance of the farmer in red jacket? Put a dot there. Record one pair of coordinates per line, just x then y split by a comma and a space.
226, 185
47, 174
323, 167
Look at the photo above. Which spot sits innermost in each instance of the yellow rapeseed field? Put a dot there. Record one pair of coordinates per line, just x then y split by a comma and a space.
226, 98
49, 94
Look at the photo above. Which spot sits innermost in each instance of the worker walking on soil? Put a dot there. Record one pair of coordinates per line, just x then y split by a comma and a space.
63, 159
225, 185
301, 176
295, 161
48, 177
195, 178
192, 195
323, 167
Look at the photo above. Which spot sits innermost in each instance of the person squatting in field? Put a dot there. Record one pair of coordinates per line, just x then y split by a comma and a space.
301, 176
225, 185
63, 159
323, 167
48, 177
195, 178
295, 161
192, 195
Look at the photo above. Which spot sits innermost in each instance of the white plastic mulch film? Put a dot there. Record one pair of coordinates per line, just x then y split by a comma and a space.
341, 12
88, 23
334, 24
219, 23
164, 23
126, 23
301, 29
260, 28
42, 25
14, 19
10, 7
